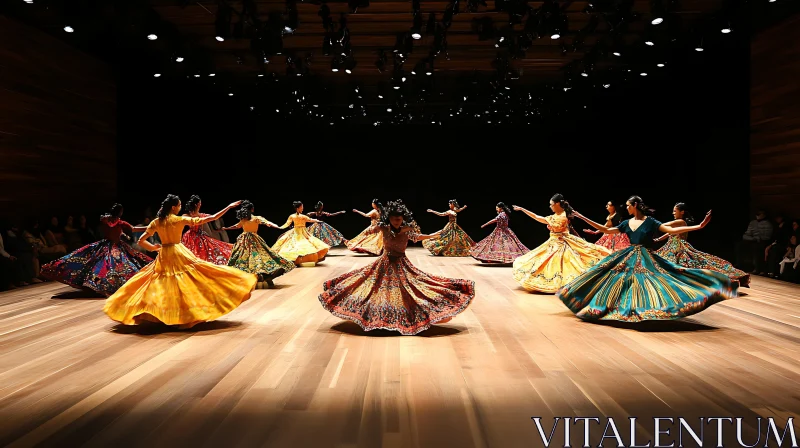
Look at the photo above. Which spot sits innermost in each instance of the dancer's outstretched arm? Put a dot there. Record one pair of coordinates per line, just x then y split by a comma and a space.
673, 223
600, 227
437, 213
337, 213
489, 223
684, 229
287, 223
238, 225
307, 219
459, 210
220, 213
541, 219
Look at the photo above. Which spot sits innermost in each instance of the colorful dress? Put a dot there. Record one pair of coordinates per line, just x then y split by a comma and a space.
561, 259
178, 288
453, 241
501, 246
103, 266
205, 246
634, 284
392, 294
368, 242
323, 231
298, 242
616, 241
252, 254
677, 250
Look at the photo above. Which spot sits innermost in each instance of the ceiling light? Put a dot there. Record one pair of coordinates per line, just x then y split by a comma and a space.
617, 54
555, 36
220, 39
649, 43
157, 75
179, 59
657, 21
69, 29
152, 37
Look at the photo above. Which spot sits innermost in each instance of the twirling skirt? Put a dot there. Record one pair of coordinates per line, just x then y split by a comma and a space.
392, 294
103, 266
297, 243
614, 242
680, 252
501, 246
561, 259
453, 241
179, 289
207, 248
367, 243
327, 234
252, 254
634, 285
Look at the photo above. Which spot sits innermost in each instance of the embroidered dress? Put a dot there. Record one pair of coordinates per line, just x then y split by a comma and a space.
501, 246
298, 244
252, 254
324, 231
453, 241
205, 247
392, 294
677, 250
616, 241
367, 242
633, 285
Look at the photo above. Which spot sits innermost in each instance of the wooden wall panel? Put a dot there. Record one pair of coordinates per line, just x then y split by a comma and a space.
775, 119
57, 126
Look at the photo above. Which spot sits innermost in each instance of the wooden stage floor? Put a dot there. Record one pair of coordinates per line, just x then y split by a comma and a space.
280, 371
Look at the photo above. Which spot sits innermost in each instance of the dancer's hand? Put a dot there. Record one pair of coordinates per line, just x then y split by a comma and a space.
517, 208
156, 247
661, 238
429, 211
234, 204
591, 232
577, 215
706, 220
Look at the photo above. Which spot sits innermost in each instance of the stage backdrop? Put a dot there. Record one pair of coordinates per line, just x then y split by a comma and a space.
775, 119
57, 126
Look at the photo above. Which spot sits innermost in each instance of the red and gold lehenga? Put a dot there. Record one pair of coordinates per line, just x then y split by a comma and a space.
392, 294
205, 247
614, 242
501, 246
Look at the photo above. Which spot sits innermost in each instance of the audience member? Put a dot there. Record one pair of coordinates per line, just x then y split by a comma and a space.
87, 234
774, 252
16, 245
72, 237
788, 265
750, 251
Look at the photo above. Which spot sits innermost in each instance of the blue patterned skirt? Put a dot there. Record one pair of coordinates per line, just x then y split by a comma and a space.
635, 285
326, 233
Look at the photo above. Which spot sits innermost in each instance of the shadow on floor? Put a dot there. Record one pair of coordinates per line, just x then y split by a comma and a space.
150, 329
352, 328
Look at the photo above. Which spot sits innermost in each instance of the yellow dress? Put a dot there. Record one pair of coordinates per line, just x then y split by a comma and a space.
178, 288
561, 259
298, 245
368, 242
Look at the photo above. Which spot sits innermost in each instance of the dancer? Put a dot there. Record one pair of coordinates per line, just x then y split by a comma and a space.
251, 253
617, 241
634, 284
391, 293
323, 230
298, 245
502, 245
368, 242
560, 259
203, 245
178, 288
104, 266
452, 241
679, 251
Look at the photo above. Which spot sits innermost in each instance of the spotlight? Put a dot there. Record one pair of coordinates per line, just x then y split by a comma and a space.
555, 36
388, 109
220, 39
179, 59
643, 74
211, 74
69, 29
726, 30
157, 75
660, 65
585, 75
30, 2
606, 85
152, 37
698, 49
416, 28
657, 21
649, 43
230, 94
196, 76
616, 53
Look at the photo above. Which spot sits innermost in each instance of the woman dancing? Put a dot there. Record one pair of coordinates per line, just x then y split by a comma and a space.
613, 242
560, 259
322, 230
634, 285
298, 245
251, 253
502, 245
201, 243
391, 293
103, 266
178, 288
679, 251
368, 242
452, 241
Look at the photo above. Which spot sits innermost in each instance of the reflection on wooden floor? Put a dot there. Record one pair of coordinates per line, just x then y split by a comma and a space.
282, 372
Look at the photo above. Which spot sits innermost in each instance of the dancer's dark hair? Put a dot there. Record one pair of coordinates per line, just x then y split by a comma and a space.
454, 203
396, 208
318, 207
504, 208
245, 211
296, 204
686, 215
116, 210
379, 205
166, 205
558, 198
192, 204
639, 204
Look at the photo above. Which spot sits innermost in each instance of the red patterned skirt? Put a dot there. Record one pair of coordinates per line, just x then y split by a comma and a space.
614, 242
206, 248
501, 246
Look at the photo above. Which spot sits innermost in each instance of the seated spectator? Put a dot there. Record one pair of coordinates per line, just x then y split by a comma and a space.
46, 249
773, 253
87, 234
10, 274
72, 237
788, 265
750, 251
54, 232
16, 245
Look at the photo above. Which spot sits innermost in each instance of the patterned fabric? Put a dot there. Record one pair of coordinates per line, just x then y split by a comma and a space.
367, 242
392, 294
501, 246
206, 247
680, 252
297, 243
634, 285
327, 234
103, 266
560, 260
614, 242
453, 241
178, 288
252, 254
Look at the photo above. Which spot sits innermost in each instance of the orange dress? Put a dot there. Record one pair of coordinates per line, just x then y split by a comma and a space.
178, 288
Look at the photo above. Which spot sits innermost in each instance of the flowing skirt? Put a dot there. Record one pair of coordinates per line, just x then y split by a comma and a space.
501, 246
367, 243
392, 294
560, 260
634, 285
179, 289
207, 248
327, 234
453, 241
297, 243
103, 266
680, 252
615, 242
252, 254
